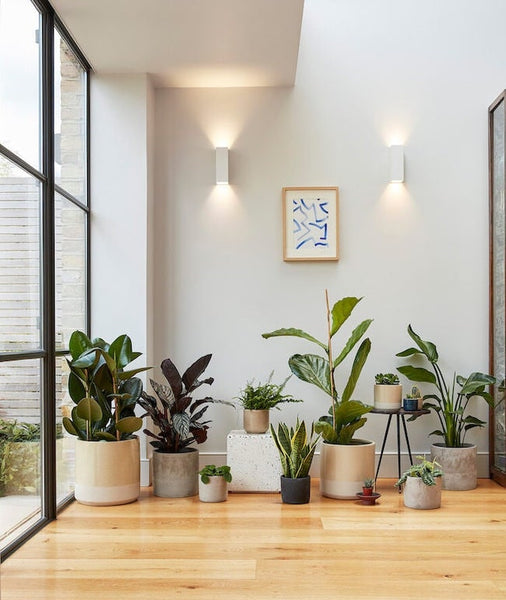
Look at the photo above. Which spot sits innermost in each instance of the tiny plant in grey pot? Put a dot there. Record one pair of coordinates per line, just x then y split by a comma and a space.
213, 483
422, 485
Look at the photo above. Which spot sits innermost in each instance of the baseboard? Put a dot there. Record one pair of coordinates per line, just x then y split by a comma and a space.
145, 472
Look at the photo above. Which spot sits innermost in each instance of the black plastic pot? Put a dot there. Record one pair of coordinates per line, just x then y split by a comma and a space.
295, 491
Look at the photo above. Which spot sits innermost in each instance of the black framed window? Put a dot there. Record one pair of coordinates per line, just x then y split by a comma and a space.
44, 258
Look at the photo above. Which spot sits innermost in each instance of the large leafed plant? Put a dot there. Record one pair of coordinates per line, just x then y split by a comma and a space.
346, 415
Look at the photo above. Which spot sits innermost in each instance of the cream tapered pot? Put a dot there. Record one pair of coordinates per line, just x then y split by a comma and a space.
107, 473
460, 471
256, 421
387, 397
343, 468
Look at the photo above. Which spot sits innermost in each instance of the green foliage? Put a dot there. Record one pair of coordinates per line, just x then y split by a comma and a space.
368, 483
176, 415
426, 470
415, 393
346, 416
449, 402
104, 393
296, 448
214, 471
264, 396
386, 379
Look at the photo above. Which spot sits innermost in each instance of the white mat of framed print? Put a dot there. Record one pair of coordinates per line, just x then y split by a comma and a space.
310, 223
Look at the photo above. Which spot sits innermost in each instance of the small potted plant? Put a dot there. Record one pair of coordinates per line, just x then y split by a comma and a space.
368, 487
387, 392
413, 400
257, 400
213, 483
422, 485
296, 451
178, 420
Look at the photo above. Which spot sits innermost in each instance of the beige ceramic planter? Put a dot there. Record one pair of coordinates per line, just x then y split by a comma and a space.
343, 469
175, 474
421, 496
214, 491
387, 397
256, 421
107, 473
459, 467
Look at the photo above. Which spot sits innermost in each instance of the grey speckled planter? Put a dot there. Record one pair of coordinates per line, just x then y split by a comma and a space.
458, 465
421, 496
175, 475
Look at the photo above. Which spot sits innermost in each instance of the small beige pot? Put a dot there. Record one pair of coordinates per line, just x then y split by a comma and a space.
387, 397
458, 465
343, 469
421, 496
256, 421
214, 491
107, 473
175, 474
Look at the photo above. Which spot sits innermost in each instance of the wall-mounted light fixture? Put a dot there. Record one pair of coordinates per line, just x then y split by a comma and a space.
222, 166
396, 164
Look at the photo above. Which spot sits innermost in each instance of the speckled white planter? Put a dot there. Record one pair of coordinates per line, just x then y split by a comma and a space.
459, 467
421, 496
254, 462
387, 397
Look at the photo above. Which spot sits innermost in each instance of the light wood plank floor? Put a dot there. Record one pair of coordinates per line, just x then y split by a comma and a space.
255, 547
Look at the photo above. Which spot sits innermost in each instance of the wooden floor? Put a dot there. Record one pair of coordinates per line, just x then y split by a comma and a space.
253, 546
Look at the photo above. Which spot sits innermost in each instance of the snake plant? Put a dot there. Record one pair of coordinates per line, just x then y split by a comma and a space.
296, 448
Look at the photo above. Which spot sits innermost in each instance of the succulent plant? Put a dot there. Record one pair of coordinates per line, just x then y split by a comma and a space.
296, 448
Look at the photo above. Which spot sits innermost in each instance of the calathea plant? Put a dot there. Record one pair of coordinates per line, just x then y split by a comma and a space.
105, 394
177, 416
346, 415
450, 402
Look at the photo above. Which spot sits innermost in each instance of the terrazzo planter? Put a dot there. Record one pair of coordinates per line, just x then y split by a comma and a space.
175, 474
214, 491
256, 421
421, 496
107, 473
387, 397
458, 465
295, 490
343, 469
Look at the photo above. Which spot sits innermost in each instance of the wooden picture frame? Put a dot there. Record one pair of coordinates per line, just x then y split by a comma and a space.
310, 223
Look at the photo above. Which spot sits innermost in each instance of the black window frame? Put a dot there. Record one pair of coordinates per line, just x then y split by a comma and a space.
46, 178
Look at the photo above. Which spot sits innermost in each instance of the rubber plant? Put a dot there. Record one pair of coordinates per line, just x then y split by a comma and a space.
451, 400
296, 448
346, 415
105, 394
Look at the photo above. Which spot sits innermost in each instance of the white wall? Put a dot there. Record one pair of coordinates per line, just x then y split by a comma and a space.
370, 74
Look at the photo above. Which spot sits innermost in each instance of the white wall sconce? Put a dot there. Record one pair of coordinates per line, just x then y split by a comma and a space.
396, 164
222, 166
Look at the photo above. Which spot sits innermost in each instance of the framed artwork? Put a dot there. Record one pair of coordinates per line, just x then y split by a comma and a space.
310, 223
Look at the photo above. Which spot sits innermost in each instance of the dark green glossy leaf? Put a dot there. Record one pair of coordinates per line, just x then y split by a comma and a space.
357, 333
409, 352
358, 365
327, 431
311, 369
428, 348
121, 351
417, 374
341, 310
292, 332
79, 342
129, 424
89, 410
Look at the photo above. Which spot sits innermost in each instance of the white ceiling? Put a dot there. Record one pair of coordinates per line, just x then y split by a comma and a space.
189, 43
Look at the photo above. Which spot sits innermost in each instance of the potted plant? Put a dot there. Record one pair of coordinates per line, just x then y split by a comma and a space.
213, 483
413, 400
387, 391
368, 487
422, 485
345, 460
103, 419
178, 419
296, 451
450, 404
257, 400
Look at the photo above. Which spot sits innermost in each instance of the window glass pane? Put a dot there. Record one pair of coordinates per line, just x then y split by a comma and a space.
70, 120
19, 79
70, 237
19, 259
20, 456
64, 442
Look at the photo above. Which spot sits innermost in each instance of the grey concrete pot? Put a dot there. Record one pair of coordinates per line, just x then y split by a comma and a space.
458, 465
214, 491
175, 475
421, 496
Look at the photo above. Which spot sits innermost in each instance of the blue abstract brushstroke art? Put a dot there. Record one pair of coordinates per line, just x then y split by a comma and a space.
310, 223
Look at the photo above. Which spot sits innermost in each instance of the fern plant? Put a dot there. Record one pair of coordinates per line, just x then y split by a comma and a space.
296, 448
264, 396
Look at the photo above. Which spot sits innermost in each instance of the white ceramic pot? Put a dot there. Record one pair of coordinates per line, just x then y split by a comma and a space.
421, 496
343, 469
459, 467
214, 491
107, 473
256, 421
175, 474
387, 397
